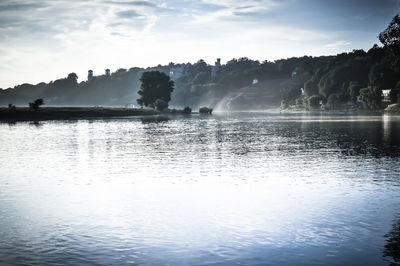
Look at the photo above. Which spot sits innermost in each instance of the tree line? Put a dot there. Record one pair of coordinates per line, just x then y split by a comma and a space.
299, 81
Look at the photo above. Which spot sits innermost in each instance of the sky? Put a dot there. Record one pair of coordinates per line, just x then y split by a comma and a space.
44, 40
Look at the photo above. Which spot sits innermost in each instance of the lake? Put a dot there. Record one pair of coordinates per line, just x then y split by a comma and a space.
226, 189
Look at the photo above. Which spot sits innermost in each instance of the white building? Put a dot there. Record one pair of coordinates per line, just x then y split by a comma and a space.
386, 96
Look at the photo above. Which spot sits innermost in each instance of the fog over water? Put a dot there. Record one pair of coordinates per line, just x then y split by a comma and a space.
227, 189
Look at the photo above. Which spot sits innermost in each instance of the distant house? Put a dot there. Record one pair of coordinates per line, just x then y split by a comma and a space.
386, 96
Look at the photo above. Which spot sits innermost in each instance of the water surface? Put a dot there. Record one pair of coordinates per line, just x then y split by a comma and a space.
227, 189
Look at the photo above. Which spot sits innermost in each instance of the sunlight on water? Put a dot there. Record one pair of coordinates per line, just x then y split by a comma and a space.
244, 188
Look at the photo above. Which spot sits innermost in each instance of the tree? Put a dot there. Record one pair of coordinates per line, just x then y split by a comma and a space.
160, 104
155, 85
205, 110
354, 90
382, 75
73, 77
35, 105
390, 38
11, 107
333, 101
395, 94
187, 110
311, 87
299, 102
313, 102
371, 98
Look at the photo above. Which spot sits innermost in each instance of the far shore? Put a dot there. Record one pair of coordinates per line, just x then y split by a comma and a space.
21, 114
75, 113
391, 109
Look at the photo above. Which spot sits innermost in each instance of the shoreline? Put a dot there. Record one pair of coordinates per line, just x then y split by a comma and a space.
25, 114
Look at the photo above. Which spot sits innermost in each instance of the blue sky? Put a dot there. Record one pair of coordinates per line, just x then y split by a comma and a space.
42, 40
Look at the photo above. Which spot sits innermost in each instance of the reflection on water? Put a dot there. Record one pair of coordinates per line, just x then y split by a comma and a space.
392, 245
228, 189
154, 119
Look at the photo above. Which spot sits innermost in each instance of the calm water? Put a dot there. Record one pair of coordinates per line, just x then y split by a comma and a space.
238, 189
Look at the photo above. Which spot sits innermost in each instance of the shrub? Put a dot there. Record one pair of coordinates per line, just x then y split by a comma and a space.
205, 110
35, 105
333, 101
11, 107
299, 102
187, 110
160, 104
371, 98
313, 102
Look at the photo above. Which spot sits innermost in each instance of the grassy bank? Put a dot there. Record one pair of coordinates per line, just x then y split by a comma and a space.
393, 108
66, 113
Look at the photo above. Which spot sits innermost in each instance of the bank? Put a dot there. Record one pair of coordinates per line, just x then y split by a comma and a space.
71, 113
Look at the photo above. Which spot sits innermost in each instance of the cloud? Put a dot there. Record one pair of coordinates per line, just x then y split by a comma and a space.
128, 14
132, 3
16, 6
337, 44
237, 7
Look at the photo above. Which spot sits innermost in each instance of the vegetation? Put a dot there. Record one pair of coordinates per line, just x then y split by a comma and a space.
205, 110
187, 110
57, 113
160, 105
371, 98
313, 102
390, 38
11, 107
155, 90
335, 81
36, 104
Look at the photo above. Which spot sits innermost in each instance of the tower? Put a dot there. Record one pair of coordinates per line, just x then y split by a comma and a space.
107, 72
216, 68
90, 75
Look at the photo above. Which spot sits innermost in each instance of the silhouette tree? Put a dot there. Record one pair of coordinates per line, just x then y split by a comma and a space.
390, 38
371, 97
313, 102
160, 104
35, 105
205, 110
354, 90
187, 110
155, 85
11, 107
73, 76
